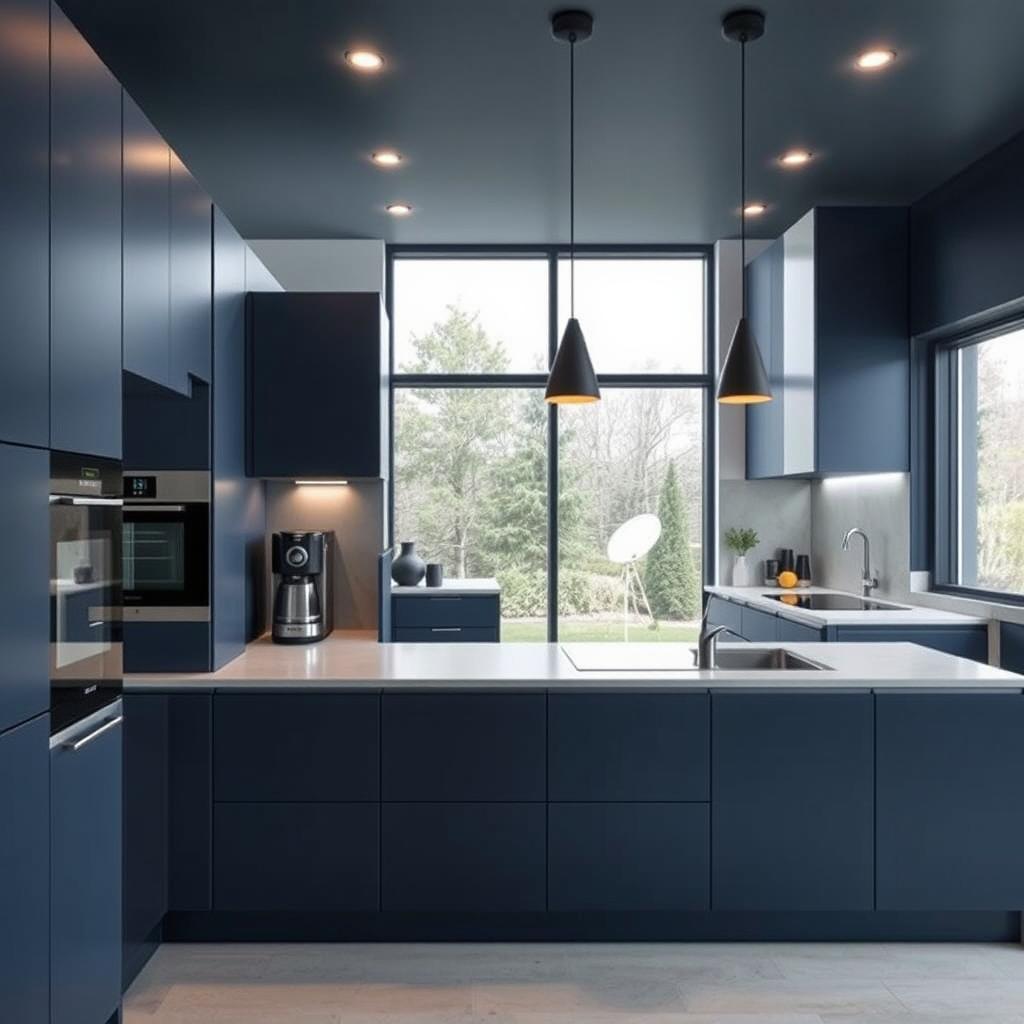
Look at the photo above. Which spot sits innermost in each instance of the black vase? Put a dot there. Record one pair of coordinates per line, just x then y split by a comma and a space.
408, 568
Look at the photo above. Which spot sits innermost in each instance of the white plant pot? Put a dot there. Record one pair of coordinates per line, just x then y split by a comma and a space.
740, 572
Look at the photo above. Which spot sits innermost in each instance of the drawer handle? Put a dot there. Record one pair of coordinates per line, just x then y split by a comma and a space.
445, 629
75, 745
444, 598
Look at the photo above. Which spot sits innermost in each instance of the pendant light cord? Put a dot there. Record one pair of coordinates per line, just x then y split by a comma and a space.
572, 175
743, 175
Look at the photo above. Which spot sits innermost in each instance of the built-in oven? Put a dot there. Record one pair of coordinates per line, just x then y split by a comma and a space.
85, 586
167, 546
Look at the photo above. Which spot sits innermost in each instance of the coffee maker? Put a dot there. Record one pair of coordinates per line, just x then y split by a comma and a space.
303, 610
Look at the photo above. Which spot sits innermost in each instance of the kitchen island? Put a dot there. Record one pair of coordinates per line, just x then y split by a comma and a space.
352, 790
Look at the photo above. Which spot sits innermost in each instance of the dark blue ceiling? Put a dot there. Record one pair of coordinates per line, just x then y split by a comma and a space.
253, 96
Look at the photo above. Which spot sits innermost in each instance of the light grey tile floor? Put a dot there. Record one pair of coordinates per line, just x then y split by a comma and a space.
749, 983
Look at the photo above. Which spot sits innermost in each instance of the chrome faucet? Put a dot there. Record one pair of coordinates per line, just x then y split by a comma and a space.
707, 645
868, 582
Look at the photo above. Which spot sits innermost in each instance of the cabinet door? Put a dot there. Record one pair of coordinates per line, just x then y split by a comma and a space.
24, 587
950, 775
616, 746
726, 613
463, 746
191, 278
764, 310
85, 875
797, 632
463, 857
190, 802
25, 212
792, 801
628, 856
145, 827
147, 247
24, 873
962, 641
85, 247
758, 626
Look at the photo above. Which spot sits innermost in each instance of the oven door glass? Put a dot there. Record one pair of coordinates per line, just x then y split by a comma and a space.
166, 555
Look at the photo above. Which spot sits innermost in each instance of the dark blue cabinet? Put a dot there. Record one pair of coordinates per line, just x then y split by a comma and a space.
147, 225
332, 349
296, 856
725, 613
1011, 646
25, 210
191, 295
463, 746
24, 587
24, 873
625, 747
457, 857
144, 827
950, 774
445, 618
85, 872
962, 641
301, 747
793, 632
190, 801
792, 801
758, 626
85, 247
628, 856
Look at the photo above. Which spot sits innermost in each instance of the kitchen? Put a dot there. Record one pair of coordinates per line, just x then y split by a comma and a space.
486, 544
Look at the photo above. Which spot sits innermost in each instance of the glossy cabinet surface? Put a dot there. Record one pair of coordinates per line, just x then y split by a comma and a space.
85, 876
25, 879
25, 211
85, 247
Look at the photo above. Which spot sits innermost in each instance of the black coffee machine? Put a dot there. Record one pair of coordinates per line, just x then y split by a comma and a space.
303, 610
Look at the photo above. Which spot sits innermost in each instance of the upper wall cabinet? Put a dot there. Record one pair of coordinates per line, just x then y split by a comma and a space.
25, 211
318, 379
828, 305
85, 247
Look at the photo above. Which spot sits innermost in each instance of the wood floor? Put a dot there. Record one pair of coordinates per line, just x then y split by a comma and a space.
535, 984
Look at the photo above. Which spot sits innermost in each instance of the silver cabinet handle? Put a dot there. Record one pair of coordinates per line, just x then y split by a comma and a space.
444, 598
445, 629
76, 745
63, 499
132, 508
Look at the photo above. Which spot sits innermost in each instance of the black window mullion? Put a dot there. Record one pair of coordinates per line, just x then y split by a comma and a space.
552, 456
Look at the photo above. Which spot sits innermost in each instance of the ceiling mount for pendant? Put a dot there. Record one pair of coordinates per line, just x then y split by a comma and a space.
572, 26
743, 26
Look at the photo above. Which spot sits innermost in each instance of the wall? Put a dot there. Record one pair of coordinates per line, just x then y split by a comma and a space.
356, 515
324, 264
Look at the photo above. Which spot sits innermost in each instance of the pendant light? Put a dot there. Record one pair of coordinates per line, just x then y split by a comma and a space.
572, 380
743, 380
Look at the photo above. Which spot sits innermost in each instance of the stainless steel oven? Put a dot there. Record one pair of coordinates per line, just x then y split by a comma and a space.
167, 546
85, 586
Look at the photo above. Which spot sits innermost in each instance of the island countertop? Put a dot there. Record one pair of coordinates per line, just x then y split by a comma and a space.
355, 660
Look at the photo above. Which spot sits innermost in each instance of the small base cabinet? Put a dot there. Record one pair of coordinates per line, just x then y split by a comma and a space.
85, 871
437, 618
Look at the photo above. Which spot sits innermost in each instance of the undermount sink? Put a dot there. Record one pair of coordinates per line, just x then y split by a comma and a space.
759, 658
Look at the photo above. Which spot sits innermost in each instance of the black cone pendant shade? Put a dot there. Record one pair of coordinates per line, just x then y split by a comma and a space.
743, 380
572, 380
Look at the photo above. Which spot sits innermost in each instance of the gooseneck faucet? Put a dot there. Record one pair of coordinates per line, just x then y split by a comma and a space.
707, 644
868, 582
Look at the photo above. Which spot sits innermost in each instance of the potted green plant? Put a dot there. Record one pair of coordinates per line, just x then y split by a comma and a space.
740, 539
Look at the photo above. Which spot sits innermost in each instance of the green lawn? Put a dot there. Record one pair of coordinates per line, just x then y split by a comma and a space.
527, 630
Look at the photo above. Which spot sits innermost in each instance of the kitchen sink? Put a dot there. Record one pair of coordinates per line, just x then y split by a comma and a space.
759, 658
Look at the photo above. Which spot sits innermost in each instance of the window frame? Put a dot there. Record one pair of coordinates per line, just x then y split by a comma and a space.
947, 426
703, 381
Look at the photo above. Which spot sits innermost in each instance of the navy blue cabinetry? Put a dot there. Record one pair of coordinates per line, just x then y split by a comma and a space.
758, 626
792, 801
1011, 646
147, 225
950, 774
85, 871
796, 632
85, 247
24, 590
332, 350
25, 211
725, 613
24, 874
190, 802
145, 827
962, 641
440, 618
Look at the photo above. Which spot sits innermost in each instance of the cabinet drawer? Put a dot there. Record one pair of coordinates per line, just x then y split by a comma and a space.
797, 632
463, 857
446, 635
628, 747
758, 626
311, 747
626, 856
725, 613
296, 856
464, 746
445, 611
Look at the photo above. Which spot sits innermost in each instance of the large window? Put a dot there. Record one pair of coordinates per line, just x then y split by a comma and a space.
491, 481
981, 403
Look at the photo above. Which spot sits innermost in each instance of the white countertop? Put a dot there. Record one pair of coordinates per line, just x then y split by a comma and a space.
899, 614
350, 660
451, 588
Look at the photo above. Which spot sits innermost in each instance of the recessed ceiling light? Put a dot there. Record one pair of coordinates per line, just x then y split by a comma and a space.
795, 158
399, 209
754, 209
873, 60
364, 60
387, 158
